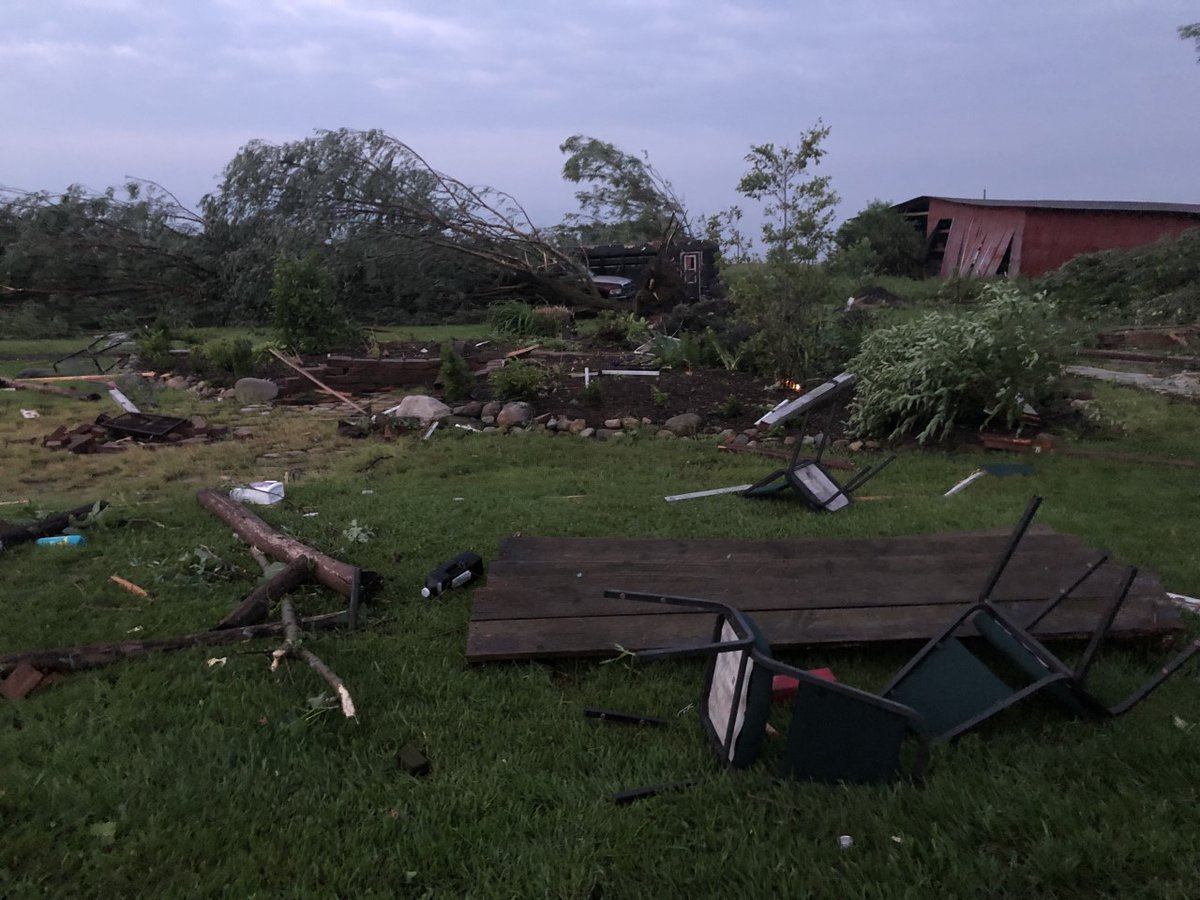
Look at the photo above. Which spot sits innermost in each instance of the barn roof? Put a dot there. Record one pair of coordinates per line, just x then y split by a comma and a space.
1192, 209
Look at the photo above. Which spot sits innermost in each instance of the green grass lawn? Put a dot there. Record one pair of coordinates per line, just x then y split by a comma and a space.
164, 775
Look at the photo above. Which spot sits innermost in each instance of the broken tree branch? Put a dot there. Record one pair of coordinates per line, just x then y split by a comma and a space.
332, 573
92, 656
255, 607
47, 389
11, 533
292, 648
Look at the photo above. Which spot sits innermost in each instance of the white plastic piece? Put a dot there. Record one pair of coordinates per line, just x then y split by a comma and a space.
261, 493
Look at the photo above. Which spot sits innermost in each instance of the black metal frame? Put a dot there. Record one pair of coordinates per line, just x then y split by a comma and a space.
790, 477
1064, 684
748, 641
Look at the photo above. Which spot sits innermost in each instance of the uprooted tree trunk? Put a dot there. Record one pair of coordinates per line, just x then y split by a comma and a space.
254, 609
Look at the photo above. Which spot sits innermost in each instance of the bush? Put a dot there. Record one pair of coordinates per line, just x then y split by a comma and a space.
305, 313
592, 394
516, 318
224, 361
154, 348
30, 321
517, 380
951, 369
621, 328
1155, 284
456, 376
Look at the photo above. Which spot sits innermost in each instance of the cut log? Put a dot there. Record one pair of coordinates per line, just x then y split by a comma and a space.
47, 389
92, 656
332, 573
255, 607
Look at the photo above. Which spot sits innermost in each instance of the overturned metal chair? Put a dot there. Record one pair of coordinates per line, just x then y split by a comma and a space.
956, 688
812, 480
838, 734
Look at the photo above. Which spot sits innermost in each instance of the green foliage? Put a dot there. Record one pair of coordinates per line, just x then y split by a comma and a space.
687, 351
627, 199
730, 407
456, 376
950, 369
797, 209
659, 398
518, 380
1191, 32
621, 327
223, 362
517, 319
794, 318
305, 315
895, 246
32, 321
1158, 283
592, 394
154, 347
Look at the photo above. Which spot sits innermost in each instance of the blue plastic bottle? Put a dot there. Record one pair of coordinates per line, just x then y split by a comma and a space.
62, 540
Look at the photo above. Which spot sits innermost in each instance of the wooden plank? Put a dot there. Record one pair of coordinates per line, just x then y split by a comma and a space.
597, 635
672, 550
565, 597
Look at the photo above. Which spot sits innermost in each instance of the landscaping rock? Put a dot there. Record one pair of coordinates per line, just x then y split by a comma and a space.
488, 420
420, 406
251, 390
491, 409
587, 432
515, 414
633, 423
471, 410
179, 383
666, 434
684, 425
741, 440
491, 429
871, 445
619, 436
604, 434
614, 424
854, 446
577, 426
727, 435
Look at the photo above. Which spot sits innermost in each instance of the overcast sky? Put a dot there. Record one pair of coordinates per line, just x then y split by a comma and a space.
1028, 99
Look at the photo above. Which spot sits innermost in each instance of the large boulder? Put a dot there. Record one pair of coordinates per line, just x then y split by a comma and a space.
419, 406
684, 425
254, 390
514, 415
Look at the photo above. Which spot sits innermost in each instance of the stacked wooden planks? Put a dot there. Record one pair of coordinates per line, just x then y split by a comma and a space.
544, 596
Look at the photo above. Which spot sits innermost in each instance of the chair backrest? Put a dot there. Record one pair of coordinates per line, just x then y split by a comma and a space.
736, 699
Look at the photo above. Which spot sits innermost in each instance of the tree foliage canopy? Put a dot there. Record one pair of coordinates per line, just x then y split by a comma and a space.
626, 198
897, 247
1191, 32
798, 208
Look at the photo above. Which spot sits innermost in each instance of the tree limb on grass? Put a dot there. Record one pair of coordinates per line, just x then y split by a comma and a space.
292, 648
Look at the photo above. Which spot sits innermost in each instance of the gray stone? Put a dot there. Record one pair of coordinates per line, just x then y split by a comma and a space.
604, 434
620, 436
251, 390
683, 425
727, 435
840, 443
633, 423
179, 383
552, 423
666, 434
471, 410
242, 433
646, 420
587, 432
419, 406
577, 425
488, 420
491, 409
808, 440
491, 429
789, 441
854, 446
871, 445
741, 440
614, 424
514, 415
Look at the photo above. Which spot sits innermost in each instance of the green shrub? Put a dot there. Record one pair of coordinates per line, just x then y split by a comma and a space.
516, 318
31, 321
621, 327
456, 376
730, 407
951, 369
517, 380
154, 348
661, 399
592, 394
223, 362
306, 315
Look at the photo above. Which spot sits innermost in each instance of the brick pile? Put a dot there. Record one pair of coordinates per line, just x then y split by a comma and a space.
95, 437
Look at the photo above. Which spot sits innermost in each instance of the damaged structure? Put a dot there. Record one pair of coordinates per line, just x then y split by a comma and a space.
1031, 237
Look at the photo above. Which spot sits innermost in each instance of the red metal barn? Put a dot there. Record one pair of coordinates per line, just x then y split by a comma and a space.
1029, 237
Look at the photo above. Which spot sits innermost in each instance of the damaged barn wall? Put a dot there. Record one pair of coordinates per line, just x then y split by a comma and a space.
1005, 237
